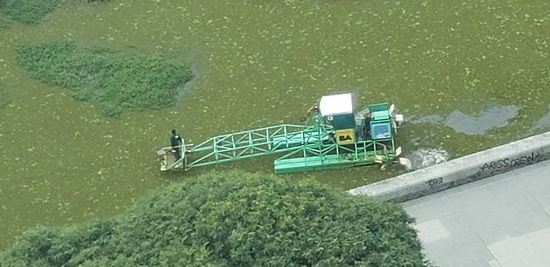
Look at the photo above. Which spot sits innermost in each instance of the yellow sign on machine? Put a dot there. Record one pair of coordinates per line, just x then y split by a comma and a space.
345, 136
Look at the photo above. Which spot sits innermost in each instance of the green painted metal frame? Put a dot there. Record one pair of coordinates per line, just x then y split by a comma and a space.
248, 144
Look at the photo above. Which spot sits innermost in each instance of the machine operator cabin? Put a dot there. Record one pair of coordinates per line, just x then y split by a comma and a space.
374, 123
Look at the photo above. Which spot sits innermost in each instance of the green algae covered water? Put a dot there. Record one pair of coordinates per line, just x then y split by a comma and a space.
467, 75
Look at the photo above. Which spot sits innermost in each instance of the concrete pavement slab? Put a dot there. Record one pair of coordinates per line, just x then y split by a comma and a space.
502, 220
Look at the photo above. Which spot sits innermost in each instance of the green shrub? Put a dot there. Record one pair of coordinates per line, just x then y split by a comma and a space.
31, 11
234, 219
112, 81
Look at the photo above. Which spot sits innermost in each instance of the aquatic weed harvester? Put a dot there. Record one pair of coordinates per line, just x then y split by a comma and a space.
332, 137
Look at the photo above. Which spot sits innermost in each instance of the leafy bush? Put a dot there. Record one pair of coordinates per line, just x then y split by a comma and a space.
234, 219
113, 81
31, 11
5, 98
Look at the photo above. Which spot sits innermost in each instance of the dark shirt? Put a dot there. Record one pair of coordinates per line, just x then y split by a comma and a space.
176, 140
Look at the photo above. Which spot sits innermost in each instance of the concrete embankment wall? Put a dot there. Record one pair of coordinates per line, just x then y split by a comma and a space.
460, 171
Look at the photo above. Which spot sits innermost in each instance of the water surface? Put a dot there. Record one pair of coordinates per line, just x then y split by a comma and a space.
260, 64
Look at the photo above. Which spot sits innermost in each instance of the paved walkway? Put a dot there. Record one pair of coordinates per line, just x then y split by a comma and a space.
501, 221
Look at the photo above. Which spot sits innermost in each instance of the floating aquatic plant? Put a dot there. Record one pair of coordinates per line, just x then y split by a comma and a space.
4, 24
111, 80
31, 11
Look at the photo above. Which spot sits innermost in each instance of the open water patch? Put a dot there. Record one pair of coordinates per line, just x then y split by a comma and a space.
543, 122
425, 157
494, 116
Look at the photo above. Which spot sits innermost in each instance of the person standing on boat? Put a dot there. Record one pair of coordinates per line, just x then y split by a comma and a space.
368, 118
176, 142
